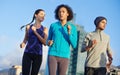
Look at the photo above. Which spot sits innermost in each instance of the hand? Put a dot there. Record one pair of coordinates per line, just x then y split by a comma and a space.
92, 43
50, 42
69, 28
108, 65
34, 28
22, 45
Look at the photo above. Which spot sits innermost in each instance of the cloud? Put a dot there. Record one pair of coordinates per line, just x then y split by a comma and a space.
11, 54
14, 57
3, 39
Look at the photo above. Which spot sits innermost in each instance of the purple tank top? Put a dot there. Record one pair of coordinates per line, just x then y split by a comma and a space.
34, 45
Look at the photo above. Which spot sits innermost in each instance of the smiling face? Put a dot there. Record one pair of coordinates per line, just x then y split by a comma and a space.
63, 13
40, 16
102, 24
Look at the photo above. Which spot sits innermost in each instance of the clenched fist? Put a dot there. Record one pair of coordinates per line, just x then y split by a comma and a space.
22, 45
33, 28
69, 28
50, 42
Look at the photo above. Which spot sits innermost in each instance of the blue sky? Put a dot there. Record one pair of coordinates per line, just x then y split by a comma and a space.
15, 13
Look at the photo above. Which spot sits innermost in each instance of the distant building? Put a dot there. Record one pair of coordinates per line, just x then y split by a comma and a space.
4, 72
14, 70
114, 71
77, 59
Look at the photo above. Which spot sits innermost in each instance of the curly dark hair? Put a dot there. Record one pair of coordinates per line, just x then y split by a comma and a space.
69, 10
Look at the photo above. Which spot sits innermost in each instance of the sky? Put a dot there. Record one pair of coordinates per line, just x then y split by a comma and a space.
15, 13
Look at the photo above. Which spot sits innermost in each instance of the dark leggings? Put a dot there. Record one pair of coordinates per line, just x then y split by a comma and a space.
95, 71
31, 64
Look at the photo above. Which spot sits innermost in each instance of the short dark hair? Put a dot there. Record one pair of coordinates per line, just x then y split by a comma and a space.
69, 10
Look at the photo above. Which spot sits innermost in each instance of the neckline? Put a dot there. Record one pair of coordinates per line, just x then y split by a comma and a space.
36, 28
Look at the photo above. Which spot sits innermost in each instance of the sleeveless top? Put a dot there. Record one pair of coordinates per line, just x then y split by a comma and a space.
34, 46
